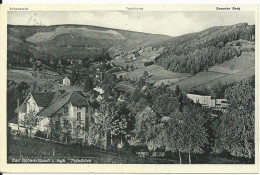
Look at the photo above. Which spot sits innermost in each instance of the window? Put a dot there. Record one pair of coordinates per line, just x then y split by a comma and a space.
78, 128
65, 123
79, 116
65, 110
102, 133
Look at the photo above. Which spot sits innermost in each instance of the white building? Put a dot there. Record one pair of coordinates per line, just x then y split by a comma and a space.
208, 101
99, 98
99, 90
66, 81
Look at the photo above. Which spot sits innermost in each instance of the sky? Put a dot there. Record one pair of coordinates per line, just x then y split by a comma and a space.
167, 23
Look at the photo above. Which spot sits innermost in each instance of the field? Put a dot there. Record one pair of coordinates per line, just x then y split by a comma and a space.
84, 32
168, 81
228, 79
27, 76
237, 69
125, 86
246, 60
144, 56
197, 80
156, 74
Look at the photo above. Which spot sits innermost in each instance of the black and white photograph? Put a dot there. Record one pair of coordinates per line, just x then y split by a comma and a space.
131, 86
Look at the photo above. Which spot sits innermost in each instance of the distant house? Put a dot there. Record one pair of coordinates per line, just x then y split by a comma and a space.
66, 81
208, 101
99, 90
99, 98
99, 74
67, 109
78, 61
122, 98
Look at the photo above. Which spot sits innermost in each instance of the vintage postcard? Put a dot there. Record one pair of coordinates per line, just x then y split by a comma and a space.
129, 88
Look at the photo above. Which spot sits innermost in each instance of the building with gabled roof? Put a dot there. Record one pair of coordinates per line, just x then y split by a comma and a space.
66, 81
61, 108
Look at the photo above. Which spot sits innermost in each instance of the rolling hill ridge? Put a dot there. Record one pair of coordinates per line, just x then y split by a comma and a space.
71, 41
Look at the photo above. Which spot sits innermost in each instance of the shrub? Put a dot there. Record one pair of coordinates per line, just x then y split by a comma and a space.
148, 63
40, 134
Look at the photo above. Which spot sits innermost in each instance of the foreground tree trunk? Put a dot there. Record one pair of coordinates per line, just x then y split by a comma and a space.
180, 156
247, 148
189, 158
246, 143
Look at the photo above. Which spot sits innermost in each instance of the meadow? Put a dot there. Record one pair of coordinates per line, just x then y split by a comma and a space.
197, 80
155, 74
244, 61
230, 71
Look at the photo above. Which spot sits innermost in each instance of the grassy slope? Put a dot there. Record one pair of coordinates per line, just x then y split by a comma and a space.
155, 72
26, 76
230, 71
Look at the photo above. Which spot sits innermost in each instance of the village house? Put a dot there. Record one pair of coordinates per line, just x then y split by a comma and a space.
65, 109
99, 98
99, 90
66, 81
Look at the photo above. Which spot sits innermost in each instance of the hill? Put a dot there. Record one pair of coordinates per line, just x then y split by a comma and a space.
195, 52
64, 42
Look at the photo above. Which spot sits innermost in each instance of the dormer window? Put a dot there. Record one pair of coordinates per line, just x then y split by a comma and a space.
65, 110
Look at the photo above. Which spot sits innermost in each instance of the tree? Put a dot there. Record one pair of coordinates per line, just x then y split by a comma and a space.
193, 130
145, 126
236, 130
115, 119
185, 131
173, 138
30, 120
166, 103
88, 83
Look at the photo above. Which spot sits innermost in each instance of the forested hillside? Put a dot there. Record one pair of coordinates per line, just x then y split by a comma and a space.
192, 53
81, 42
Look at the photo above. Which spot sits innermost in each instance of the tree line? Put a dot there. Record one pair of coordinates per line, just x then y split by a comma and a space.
159, 118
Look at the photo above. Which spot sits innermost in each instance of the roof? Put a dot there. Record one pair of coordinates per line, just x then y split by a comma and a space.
43, 99
21, 108
14, 120
165, 119
76, 98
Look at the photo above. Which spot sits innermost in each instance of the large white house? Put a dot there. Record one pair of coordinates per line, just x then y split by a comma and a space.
65, 109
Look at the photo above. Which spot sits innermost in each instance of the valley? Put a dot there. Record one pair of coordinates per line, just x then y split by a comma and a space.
157, 98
